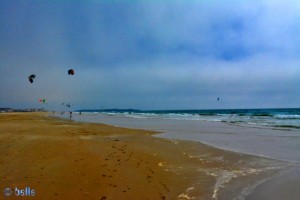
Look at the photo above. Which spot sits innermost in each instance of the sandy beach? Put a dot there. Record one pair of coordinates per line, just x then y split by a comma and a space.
63, 159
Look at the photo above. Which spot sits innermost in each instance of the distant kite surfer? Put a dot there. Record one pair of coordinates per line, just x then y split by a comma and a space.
218, 98
31, 77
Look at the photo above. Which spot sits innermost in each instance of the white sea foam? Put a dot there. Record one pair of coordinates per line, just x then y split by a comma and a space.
223, 176
287, 116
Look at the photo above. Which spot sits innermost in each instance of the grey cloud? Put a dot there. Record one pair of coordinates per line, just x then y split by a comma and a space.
151, 54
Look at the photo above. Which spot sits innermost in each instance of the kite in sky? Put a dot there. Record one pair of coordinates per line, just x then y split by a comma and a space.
31, 77
71, 72
42, 101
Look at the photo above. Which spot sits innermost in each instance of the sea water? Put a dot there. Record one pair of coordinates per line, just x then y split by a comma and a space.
273, 133
287, 118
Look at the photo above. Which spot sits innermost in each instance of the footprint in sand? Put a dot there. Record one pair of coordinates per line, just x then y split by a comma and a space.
150, 170
165, 186
149, 179
111, 185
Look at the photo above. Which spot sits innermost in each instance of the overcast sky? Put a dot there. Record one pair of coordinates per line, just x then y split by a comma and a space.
150, 54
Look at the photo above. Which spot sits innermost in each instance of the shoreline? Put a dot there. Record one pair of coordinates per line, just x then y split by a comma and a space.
273, 144
119, 163
235, 151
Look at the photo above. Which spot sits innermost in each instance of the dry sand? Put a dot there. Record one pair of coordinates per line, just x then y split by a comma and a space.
62, 159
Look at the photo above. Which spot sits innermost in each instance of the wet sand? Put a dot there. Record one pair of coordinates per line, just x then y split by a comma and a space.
62, 159
284, 186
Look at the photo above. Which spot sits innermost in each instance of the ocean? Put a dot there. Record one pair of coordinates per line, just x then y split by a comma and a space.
271, 133
285, 118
